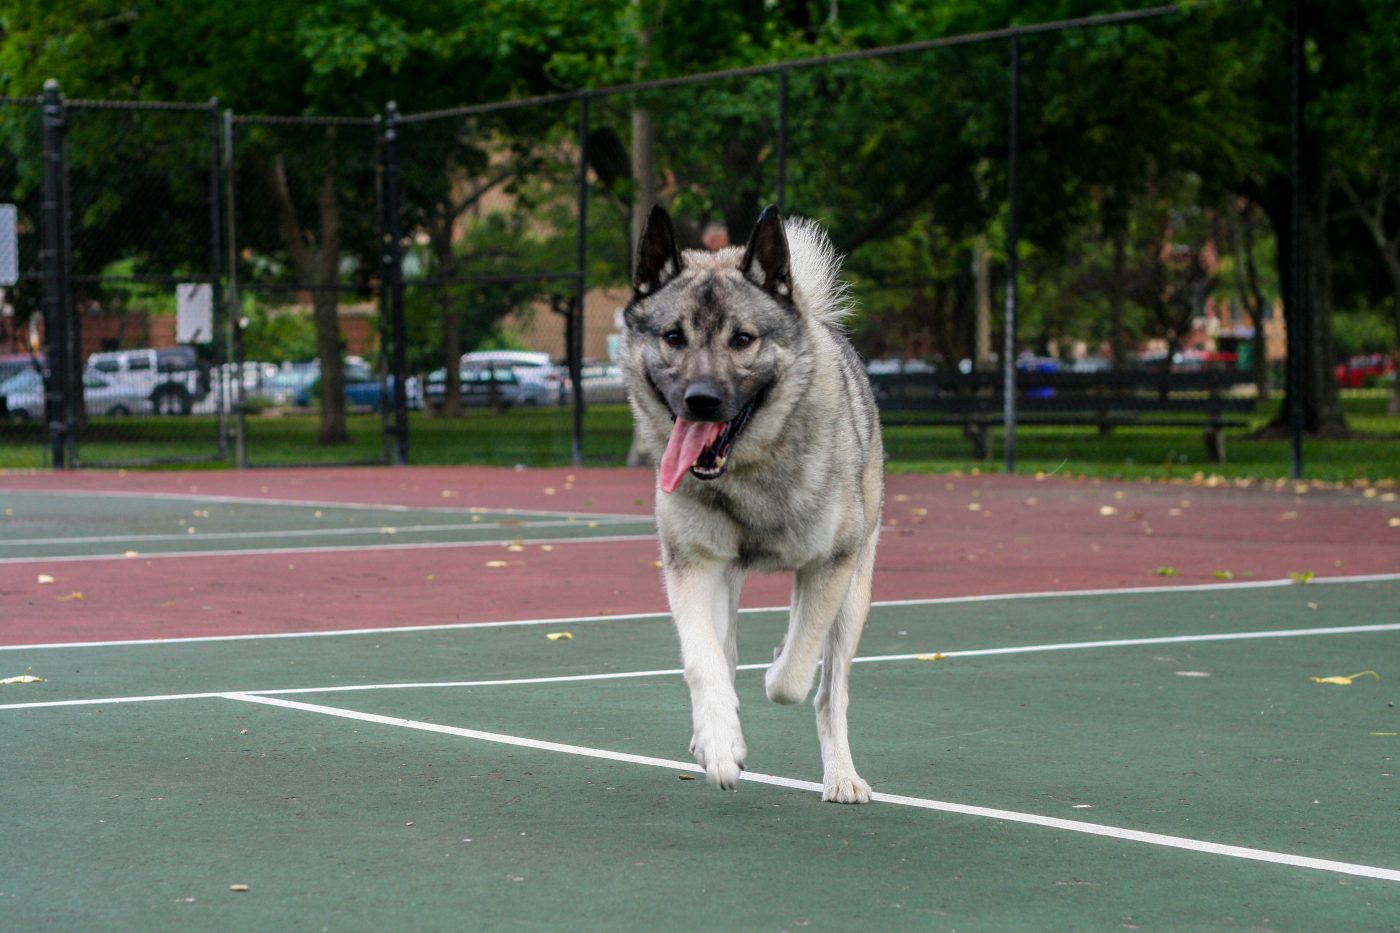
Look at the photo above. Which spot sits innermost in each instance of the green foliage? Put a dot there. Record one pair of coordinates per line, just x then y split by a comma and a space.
278, 335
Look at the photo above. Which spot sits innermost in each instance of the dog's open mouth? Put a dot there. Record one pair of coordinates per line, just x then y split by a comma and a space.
702, 447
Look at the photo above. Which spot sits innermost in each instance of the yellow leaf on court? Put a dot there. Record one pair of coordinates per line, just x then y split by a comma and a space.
497, 563
1304, 577
1224, 575
1107, 510
25, 678
1395, 523
75, 595
517, 548
936, 656
1166, 571
45, 578
1343, 681
560, 636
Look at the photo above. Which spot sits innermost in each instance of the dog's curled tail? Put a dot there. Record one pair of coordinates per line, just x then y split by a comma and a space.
816, 271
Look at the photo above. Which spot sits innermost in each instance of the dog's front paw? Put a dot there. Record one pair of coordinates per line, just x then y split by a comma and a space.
846, 788
718, 747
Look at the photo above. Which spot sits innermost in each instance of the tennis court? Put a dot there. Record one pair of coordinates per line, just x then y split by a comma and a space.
1081, 706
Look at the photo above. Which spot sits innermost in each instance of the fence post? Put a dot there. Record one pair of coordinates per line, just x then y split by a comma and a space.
226, 372
58, 407
1297, 292
393, 272
233, 318
781, 185
574, 335
1013, 237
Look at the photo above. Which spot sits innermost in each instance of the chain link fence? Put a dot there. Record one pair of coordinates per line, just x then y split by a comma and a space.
366, 274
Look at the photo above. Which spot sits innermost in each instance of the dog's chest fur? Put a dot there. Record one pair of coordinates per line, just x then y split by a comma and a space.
774, 523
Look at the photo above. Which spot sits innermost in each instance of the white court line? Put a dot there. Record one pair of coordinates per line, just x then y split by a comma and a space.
635, 616
495, 525
1010, 816
673, 672
308, 503
331, 549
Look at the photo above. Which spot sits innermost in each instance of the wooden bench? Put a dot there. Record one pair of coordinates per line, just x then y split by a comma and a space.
1105, 400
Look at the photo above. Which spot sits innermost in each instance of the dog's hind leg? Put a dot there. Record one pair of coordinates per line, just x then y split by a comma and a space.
840, 782
703, 596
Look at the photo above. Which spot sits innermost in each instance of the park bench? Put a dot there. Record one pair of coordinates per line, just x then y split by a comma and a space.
1105, 400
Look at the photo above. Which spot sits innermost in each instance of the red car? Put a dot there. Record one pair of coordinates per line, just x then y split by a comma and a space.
1360, 371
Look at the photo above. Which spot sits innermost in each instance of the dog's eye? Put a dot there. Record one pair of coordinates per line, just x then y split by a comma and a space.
741, 340
674, 337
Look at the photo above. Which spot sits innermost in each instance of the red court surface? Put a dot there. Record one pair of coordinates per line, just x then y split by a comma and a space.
944, 536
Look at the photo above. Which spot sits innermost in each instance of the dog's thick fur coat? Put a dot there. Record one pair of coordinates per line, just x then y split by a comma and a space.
755, 405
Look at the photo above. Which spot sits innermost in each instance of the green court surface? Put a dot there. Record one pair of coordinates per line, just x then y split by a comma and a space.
486, 777
68, 524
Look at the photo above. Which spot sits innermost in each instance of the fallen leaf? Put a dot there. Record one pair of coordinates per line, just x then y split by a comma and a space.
45, 578
560, 636
936, 656
25, 678
1224, 575
691, 777
1106, 510
517, 548
1343, 681
75, 595
1304, 577
496, 564
1166, 571
238, 887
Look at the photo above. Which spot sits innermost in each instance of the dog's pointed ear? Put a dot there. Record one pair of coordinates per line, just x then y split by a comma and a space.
765, 260
658, 260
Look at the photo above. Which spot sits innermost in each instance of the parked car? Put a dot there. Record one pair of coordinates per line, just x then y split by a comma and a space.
170, 378
502, 378
1361, 371
482, 386
602, 384
363, 389
24, 396
12, 364
290, 385
542, 382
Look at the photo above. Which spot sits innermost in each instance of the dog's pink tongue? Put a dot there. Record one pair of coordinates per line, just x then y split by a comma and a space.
688, 438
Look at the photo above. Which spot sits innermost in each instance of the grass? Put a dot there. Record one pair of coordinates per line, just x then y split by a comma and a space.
542, 437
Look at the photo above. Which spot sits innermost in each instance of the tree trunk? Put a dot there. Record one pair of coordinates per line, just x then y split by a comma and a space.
1321, 404
327, 310
318, 268
982, 339
440, 238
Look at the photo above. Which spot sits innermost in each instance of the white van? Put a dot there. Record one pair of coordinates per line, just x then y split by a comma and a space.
170, 377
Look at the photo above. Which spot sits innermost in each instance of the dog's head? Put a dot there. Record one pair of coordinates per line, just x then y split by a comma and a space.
709, 337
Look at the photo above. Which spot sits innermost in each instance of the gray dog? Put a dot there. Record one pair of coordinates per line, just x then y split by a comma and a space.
757, 410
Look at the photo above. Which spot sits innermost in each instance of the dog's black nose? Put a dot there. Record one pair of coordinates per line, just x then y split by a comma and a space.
702, 400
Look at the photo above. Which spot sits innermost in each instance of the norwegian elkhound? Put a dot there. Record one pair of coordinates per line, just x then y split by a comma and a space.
758, 412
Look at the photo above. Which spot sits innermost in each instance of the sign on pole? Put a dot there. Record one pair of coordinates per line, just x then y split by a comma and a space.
194, 312
9, 245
